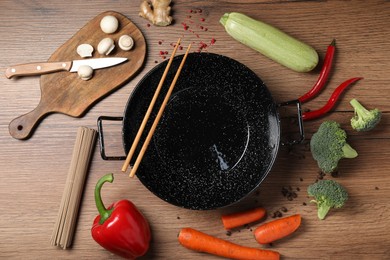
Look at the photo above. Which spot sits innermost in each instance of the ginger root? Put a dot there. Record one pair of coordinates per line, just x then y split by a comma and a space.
156, 11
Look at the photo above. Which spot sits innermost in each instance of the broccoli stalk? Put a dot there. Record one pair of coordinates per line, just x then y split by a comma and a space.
328, 145
348, 151
327, 194
364, 119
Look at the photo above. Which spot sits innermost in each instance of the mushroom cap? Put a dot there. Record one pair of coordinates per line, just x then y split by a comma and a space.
109, 24
85, 72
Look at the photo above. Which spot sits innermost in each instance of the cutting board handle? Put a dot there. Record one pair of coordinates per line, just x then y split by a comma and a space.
23, 126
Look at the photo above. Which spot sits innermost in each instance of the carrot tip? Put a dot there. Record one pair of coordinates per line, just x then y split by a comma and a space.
242, 218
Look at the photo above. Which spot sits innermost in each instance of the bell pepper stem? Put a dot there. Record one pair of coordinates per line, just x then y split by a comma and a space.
104, 213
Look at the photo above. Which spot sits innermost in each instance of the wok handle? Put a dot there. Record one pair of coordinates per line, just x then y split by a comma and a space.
101, 138
300, 122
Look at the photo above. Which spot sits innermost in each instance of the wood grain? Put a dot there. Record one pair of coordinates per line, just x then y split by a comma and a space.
34, 171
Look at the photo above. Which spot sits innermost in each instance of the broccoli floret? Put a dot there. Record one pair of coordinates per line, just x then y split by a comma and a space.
327, 194
364, 120
328, 145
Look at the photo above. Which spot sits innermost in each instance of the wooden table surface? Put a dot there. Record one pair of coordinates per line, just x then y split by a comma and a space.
34, 171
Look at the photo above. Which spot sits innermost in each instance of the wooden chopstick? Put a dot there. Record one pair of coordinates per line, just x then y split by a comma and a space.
149, 111
158, 117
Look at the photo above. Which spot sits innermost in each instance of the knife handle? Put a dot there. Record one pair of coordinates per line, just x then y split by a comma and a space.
38, 68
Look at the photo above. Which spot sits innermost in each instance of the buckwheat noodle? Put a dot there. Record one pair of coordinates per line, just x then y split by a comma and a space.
65, 225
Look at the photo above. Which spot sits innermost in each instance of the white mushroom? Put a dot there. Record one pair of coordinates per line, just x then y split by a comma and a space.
105, 46
85, 72
109, 24
126, 42
85, 50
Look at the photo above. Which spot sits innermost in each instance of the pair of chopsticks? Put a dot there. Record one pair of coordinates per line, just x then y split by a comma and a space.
149, 111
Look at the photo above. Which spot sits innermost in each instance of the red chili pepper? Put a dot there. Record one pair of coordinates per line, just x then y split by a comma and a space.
324, 74
121, 229
331, 102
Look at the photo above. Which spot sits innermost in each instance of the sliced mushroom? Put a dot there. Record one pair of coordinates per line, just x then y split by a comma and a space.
85, 50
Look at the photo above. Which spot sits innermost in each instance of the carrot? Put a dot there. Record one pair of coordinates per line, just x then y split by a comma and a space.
201, 242
277, 229
241, 218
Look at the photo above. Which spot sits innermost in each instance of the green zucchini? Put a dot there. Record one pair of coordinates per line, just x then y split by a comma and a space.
270, 41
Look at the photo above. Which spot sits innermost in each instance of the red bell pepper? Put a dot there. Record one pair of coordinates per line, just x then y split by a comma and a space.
121, 228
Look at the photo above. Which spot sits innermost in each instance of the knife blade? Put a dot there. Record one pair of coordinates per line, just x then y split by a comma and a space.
39, 68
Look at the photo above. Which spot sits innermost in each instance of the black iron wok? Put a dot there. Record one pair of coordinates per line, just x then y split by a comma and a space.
218, 137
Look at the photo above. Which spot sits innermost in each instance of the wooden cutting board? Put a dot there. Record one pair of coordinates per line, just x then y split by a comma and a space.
64, 92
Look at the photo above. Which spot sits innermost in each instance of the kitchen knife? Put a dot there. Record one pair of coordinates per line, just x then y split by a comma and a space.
39, 68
